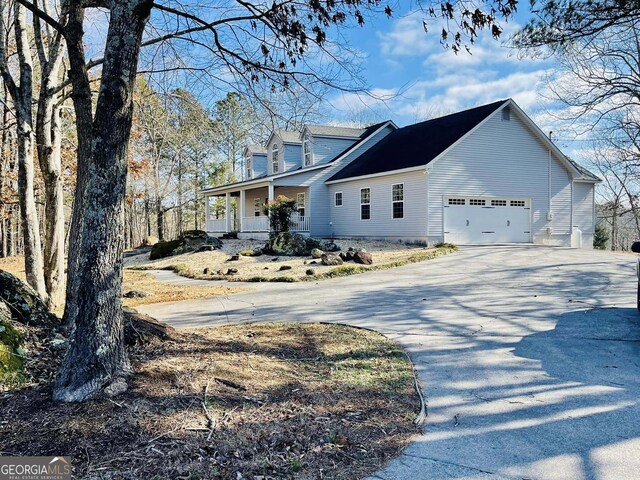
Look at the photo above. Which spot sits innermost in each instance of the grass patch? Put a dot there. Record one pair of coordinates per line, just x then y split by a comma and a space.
11, 357
295, 401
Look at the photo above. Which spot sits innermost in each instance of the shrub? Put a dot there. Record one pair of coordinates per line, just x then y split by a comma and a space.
280, 211
600, 237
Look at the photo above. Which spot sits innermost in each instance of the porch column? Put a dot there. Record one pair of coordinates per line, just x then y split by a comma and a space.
207, 213
271, 192
227, 213
241, 209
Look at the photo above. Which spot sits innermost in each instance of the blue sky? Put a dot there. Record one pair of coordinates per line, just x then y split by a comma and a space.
421, 79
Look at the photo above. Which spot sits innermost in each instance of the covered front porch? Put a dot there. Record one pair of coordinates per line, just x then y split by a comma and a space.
241, 210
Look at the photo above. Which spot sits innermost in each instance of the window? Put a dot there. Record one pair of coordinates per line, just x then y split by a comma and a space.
257, 207
306, 148
498, 203
506, 114
517, 203
249, 164
457, 201
275, 158
300, 204
397, 198
365, 204
476, 201
338, 199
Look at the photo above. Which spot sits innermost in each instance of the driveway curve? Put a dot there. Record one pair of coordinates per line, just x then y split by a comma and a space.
529, 356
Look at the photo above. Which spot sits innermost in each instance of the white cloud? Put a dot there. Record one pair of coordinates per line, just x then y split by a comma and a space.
406, 38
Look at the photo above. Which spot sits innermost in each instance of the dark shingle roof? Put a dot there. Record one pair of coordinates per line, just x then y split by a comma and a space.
366, 133
417, 144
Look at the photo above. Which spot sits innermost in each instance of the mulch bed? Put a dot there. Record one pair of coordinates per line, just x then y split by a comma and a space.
258, 401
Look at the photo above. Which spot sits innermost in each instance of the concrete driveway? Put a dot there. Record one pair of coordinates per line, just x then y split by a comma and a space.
529, 356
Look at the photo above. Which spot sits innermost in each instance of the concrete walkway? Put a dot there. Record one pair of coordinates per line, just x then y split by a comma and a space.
529, 356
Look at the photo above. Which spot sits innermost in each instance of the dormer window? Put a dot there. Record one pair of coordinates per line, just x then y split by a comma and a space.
249, 166
306, 148
275, 158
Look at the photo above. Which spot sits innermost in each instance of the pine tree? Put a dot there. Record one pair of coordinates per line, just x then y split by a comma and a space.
600, 237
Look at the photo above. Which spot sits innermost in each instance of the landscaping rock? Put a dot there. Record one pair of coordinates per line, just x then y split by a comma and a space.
189, 241
206, 248
284, 267
331, 259
310, 272
294, 244
232, 271
256, 252
331, 247
137, 294
363, 258
234, 258
316, 253
26, 305
275, 259
206, 271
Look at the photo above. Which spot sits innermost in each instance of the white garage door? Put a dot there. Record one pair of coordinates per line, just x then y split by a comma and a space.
486, 220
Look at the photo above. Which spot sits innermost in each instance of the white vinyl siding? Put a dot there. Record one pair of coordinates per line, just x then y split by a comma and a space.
326, 149
583, 214
346, 219
503, 159
259, 164
250, 198
319, 198
291, 157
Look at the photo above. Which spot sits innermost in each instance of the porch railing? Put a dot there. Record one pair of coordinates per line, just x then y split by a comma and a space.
217, 225
255, 224
300, 224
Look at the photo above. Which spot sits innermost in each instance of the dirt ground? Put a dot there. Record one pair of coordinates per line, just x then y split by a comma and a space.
257, 401
268, 266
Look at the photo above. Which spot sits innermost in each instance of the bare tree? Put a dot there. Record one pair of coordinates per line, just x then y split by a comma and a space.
267, 42
21, 93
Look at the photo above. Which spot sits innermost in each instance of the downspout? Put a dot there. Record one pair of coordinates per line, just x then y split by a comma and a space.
549, 211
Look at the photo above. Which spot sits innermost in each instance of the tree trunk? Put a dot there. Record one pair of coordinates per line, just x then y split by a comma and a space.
82, 103
49, 141
26, 194
96, 360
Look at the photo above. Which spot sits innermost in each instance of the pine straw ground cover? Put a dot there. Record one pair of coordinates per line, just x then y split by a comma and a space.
253, 401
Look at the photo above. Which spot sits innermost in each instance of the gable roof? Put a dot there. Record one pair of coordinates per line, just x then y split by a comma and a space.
256, 149
367, 132
417, 144
289, 136
586, 175
331, 131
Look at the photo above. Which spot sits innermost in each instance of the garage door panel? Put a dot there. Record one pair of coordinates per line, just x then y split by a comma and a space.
475, 220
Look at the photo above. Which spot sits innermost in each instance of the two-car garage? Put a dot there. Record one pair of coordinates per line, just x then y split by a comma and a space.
477, 220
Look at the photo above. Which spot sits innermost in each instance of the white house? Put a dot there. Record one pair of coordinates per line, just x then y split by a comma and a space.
480, 176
